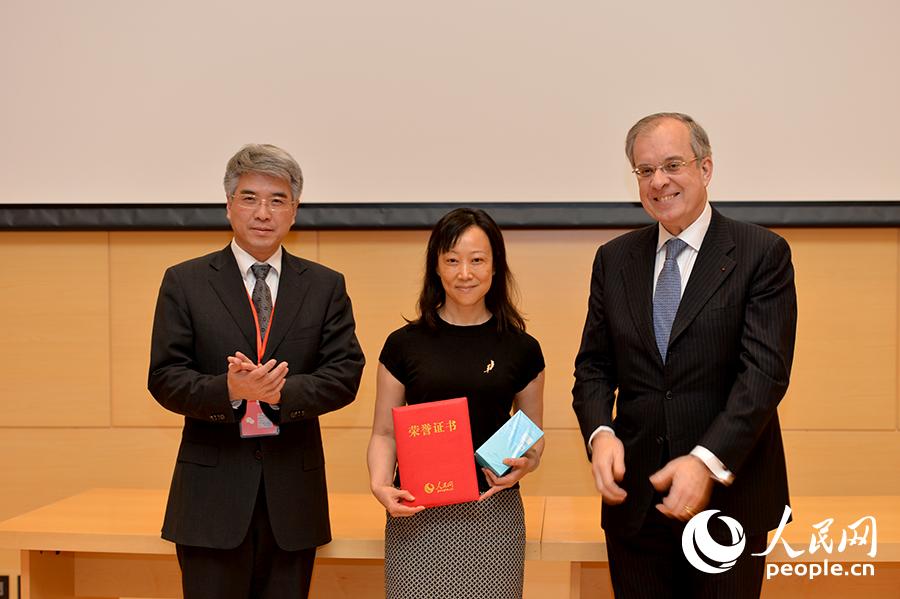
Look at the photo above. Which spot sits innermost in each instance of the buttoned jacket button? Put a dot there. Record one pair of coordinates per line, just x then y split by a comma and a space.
668, 395
257, 454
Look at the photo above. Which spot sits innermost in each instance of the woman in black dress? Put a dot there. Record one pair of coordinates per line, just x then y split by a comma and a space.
468, 341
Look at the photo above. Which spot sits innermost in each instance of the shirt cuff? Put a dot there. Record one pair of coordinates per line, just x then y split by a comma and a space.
599, 429
716, 468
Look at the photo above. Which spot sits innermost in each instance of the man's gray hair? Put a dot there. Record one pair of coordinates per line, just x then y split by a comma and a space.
266, 159
699, 138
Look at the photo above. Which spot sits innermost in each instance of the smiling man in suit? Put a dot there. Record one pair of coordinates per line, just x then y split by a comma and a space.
251, 344
690, 335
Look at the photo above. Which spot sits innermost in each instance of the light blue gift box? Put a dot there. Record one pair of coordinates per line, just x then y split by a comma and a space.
512, 440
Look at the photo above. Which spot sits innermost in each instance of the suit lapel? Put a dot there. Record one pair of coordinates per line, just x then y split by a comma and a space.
637, 277
227, 282
291, 293
712, 267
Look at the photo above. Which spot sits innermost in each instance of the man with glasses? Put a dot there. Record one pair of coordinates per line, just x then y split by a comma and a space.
690, 336
251, 344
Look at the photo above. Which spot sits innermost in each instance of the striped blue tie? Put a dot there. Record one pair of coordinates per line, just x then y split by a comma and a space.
667, 296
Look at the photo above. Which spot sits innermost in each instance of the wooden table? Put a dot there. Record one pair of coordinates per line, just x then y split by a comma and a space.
105, 542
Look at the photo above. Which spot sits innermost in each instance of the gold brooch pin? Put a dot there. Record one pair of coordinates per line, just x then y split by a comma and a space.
490, 367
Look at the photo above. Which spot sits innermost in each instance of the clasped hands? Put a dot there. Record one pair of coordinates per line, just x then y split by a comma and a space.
255, 382
685, 481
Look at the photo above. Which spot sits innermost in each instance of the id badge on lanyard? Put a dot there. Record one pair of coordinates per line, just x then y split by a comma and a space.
255, 423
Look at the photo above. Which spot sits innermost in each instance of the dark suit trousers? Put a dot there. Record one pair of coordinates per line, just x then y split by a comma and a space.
255, 569
652, 564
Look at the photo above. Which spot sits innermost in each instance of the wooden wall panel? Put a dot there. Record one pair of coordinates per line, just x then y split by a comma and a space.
137, 263
304, 244
43, 465
845, 367
345, 459
93, 303
843, 462
553, 270
564, 469
54, 328
383, 272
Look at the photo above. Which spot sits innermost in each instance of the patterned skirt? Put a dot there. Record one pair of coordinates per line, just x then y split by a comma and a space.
463, 551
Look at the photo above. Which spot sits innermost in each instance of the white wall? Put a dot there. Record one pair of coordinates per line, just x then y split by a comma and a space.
471, 100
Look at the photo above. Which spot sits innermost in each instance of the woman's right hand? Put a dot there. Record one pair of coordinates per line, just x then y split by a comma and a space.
390, 498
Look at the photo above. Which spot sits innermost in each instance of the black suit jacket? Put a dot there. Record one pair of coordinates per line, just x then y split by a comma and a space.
728, 366
202, 316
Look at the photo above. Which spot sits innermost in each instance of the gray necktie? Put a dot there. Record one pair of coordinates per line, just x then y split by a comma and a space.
262, 298
667, 296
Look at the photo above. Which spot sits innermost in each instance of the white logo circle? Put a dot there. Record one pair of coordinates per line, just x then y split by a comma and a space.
697, 544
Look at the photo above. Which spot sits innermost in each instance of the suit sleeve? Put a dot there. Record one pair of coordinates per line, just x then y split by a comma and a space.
766, 354
335, 380
175, 380
595, 382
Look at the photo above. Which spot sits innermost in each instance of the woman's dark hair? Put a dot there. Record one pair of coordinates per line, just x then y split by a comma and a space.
500, 297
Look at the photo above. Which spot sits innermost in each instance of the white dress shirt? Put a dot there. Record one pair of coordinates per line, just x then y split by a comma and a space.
245, 261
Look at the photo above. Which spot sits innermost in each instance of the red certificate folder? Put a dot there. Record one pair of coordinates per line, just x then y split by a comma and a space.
434, 452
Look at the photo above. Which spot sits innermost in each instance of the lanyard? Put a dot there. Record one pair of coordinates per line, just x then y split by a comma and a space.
261, 343
255, 423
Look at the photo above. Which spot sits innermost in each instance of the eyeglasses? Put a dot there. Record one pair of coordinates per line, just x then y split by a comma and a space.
275, 204
669, 167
